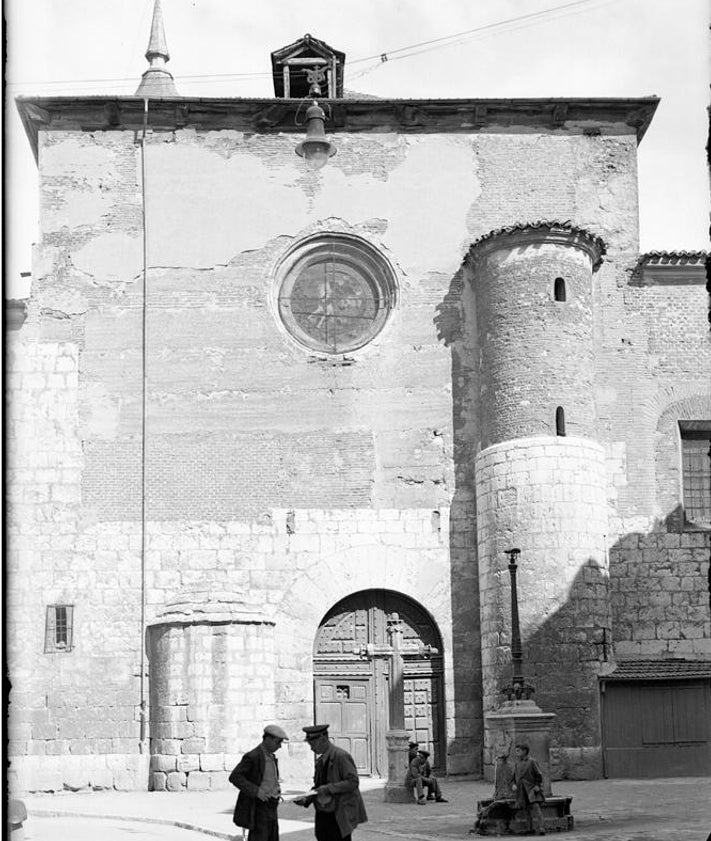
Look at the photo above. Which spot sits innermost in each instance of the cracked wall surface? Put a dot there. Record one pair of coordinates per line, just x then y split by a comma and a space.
371, 458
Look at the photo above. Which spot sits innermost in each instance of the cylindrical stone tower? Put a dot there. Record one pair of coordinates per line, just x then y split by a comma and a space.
211, 688
540, 477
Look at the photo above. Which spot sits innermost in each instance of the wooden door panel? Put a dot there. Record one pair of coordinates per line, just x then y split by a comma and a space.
692, 714
657, 729
351, 650
422, 714
342, 703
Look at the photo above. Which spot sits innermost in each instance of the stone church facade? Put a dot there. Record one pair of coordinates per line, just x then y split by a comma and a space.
259, 412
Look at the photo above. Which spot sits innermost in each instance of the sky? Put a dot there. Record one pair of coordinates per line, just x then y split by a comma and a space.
394, 48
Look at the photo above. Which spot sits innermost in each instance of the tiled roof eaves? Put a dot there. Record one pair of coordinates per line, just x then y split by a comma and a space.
673, 257
553, 225
659, 670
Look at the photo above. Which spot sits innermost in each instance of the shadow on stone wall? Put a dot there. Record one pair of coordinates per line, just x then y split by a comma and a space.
466, 741
654, 605
634, 612
562, 660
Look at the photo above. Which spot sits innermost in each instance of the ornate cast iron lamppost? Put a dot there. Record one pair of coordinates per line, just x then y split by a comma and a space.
316, 149
518, 690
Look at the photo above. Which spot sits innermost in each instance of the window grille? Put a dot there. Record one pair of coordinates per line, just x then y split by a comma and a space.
696, 470
59, 628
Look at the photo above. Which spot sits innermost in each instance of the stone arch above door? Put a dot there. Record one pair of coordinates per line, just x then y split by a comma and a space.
351, 674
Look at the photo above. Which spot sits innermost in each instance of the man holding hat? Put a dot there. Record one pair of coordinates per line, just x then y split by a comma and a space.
336, 795
257, 778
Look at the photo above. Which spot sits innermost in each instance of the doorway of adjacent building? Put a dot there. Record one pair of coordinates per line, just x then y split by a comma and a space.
352, 662
656, 728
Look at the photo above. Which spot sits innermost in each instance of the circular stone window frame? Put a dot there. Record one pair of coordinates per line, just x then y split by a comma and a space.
368, 260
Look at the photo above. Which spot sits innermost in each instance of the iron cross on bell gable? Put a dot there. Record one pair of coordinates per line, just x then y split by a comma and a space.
314, 77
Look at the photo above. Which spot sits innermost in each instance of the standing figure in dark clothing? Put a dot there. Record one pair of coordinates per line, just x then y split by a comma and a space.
527, 782
336, 794
257, 778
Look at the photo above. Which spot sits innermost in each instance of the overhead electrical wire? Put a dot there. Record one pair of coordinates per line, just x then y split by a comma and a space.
383, 57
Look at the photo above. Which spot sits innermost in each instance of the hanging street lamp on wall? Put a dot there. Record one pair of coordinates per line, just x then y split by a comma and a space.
316, 149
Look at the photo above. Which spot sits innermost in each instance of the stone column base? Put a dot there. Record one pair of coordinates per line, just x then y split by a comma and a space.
395, 790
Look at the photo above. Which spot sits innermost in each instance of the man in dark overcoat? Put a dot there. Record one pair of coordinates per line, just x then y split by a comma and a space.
336, 793
257, 778
527, 784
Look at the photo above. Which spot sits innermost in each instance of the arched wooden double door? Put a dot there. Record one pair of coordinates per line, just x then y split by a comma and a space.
352, 662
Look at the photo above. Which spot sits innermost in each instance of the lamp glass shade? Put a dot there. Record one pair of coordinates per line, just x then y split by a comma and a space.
315, 149
316, 152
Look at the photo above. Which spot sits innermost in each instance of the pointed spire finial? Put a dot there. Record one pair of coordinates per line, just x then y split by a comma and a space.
157, 81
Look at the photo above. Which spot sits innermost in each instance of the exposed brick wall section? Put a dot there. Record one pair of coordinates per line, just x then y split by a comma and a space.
536, 353
227, 477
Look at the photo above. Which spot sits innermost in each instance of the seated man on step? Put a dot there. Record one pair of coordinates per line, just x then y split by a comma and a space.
419, 776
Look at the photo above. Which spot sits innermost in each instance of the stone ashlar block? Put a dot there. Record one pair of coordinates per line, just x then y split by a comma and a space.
125, 780
176, 781
188, 762
171, 747
212, 762
219, 782
164, 763
194, 745
101, 779
197, 781
158, 781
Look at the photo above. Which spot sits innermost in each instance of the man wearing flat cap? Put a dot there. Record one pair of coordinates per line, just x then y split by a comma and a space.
336, 794
257, 778
420, 777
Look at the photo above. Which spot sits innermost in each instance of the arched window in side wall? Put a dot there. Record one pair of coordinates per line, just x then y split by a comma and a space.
559, 289
560, 421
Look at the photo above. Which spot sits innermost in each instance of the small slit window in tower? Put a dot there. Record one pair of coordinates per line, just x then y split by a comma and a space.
559, 289
560, 421
59, 628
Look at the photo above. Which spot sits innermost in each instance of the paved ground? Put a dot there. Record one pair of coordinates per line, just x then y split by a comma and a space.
91, 829
676, 809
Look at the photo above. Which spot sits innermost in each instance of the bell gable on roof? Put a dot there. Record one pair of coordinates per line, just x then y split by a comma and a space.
291, 63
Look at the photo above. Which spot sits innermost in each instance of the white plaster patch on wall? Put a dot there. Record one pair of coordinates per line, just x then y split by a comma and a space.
75, 156
67, 302
187, 186
426, 226
99, 413
78, 207
111, 258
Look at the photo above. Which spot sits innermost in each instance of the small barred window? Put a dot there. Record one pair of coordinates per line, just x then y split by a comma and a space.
696, 470
59, 628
